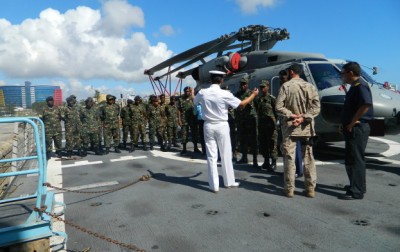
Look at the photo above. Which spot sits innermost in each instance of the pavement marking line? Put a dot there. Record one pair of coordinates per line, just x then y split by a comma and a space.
54, 177
174, 156
89, 186
81, 163
125, 158
393, 146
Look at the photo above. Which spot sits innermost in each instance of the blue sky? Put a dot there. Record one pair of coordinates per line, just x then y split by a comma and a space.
106, 44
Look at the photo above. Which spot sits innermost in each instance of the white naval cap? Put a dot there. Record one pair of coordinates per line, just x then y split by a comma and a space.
216, 72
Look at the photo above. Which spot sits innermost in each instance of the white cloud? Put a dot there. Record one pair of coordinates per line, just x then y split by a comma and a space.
251, 6
81, 44
167, 30
119, 16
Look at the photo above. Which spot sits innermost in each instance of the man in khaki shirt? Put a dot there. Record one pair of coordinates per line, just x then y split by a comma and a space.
298, 104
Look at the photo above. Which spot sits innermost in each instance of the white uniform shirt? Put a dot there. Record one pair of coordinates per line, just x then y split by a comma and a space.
215, 102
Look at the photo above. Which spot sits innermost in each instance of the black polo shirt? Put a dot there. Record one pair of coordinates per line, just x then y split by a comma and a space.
358, 95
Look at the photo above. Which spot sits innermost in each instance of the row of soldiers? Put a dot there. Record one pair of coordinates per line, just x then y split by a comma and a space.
86, 126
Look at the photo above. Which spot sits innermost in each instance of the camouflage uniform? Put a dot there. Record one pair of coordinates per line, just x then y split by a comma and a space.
51, 117
139, 120
298, 97
73, 128
156, 124
189, 122
246, 119
90, 119
172, 113
267, 133
163, 106
126, 123
111, 131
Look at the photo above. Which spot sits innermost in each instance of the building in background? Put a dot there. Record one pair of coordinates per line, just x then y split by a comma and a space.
25, 96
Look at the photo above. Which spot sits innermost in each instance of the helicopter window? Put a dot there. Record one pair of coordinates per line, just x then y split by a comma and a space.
325, 75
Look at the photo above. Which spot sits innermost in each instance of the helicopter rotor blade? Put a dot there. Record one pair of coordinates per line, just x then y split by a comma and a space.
186, 55
218, 47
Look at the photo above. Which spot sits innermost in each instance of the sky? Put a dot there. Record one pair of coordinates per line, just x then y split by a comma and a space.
106, 45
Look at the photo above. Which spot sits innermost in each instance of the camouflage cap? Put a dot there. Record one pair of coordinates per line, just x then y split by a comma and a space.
50, 98
137, 98
109, 97
264, 83
244, 80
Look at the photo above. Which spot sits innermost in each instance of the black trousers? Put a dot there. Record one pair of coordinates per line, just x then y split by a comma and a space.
355, 144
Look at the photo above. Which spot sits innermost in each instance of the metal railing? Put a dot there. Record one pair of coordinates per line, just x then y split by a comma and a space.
31, 146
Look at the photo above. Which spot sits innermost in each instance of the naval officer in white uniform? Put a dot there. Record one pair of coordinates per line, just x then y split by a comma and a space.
214, 104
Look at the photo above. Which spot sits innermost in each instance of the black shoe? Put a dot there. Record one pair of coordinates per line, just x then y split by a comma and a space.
255, 164
349, 197
124, 146
58, 153
144, 148
132, 149
69, 154
168, 147
117, 150
243, 161
107, 151
266, 165
151, 147
273, 165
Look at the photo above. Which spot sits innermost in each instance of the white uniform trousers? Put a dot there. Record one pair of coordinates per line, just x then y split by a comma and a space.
216, 136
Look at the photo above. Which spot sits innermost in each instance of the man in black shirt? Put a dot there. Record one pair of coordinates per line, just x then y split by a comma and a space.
357, 112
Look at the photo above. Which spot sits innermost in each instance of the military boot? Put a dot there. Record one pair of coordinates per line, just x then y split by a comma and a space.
144, 147
69, 154
151, 147
124, 145
273, 165
82, 152
132, 149
58, 153
98, 152
183, 149
168, 146
243, 160
48, 155
196, 150
117, 150
175, 144
266, 164
107, 150
255, 162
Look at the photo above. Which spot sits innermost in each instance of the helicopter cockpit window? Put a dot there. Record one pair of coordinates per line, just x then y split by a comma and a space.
325, 75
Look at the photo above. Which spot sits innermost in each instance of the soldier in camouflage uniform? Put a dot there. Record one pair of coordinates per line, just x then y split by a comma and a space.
188, 120
246, 119
267, 133
110, 118
173, 118
73, 127
156, 122
51, 117
138, 116
163, 106
126, 123
298, 104
90, 119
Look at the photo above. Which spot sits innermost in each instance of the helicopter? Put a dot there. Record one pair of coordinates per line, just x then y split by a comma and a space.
255, 61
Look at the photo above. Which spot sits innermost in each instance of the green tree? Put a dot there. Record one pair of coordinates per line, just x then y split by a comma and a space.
38, 107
